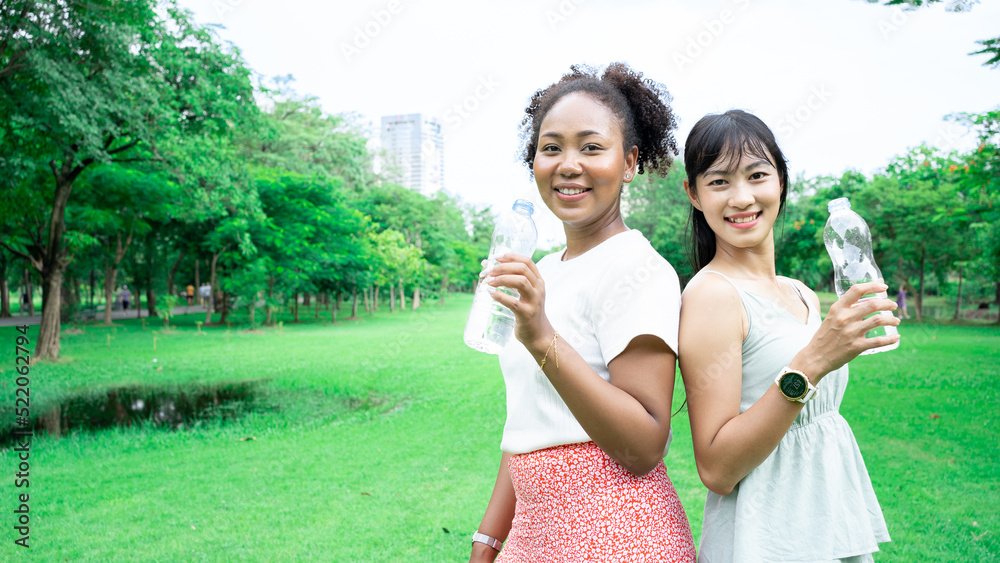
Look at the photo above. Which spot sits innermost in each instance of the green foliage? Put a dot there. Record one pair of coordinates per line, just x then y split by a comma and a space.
297, 135
165, 308
659, 208
310, 236
88, 84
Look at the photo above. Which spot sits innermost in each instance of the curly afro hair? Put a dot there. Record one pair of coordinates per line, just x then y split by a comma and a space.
641, 105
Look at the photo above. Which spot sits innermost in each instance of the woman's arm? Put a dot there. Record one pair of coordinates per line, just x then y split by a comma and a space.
629, 418
499, 514
729, 444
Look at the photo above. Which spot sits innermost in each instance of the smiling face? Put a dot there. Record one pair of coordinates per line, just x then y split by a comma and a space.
740, 200
580, 164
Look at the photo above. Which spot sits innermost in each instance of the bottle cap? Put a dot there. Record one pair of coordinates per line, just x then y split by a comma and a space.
525, 206
839, 203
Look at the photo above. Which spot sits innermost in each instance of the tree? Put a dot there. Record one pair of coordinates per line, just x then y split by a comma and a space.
83, 84
117, 204
310, 234
435, 225
920, 218
298, 136
978, 175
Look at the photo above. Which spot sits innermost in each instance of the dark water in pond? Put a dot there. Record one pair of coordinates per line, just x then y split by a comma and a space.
164, 407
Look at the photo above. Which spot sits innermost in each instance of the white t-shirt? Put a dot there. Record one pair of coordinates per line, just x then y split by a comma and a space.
598, 301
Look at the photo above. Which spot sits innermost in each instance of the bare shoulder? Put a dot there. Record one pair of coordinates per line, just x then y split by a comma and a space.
709, 288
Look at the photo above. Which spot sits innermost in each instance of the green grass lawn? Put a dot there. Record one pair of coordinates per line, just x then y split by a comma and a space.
379, 442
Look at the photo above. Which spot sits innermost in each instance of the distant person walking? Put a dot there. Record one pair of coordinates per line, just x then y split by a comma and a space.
901, 303
204, 293
126, 297
189, 294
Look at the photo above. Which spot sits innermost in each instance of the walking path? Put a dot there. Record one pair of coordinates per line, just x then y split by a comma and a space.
133, 314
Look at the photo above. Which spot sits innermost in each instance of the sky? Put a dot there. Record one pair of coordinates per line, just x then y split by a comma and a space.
843, 84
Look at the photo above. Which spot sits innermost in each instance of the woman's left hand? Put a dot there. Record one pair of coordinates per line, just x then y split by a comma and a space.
520, 274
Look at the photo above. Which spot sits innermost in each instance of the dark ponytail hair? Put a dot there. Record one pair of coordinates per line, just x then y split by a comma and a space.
725, 137
641, 106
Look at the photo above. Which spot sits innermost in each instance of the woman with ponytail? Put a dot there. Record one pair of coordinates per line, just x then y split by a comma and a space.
764, 378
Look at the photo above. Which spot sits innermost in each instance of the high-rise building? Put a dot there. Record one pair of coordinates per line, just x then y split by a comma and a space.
414, 149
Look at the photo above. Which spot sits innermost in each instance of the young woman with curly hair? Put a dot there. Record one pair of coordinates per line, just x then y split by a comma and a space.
590, 376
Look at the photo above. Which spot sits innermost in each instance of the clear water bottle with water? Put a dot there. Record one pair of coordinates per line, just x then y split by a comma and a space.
849, 243
491, 325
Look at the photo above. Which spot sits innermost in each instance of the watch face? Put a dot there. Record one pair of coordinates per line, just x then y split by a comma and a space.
793, 385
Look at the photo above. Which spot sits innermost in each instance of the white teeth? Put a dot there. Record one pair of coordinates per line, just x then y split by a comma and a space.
743, 219
568, 191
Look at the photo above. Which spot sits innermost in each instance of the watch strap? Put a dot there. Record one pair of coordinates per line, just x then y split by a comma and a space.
810, 388
488, 540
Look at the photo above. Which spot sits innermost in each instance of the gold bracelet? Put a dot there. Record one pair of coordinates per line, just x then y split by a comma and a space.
555, 352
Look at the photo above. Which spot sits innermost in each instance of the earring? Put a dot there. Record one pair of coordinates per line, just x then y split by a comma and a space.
628, 176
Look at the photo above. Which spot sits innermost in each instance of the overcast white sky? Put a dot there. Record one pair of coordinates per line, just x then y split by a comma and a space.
843, 83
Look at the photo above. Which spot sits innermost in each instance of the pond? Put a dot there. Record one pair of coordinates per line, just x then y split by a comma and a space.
172, 408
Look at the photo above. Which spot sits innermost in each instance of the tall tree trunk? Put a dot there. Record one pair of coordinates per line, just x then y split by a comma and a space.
47, 346
173, 273
150, 301
920, 290
402, 296
392, 298
51, 259
416, 299
76, 291
4, 297
110, 273
337, 299
214, 283
367, 306
270, 299
93, 286
306, 299
354, 307
958, 302
375, 298
197, 274
151, 292
70, 299
444, 287
998, 302
4, 288
295, 296
68, 304
226, 299
30, 291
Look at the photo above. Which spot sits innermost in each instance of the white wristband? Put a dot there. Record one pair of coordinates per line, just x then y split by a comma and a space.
488, 540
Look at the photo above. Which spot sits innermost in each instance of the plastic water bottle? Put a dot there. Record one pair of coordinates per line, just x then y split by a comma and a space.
849, 243
491, 325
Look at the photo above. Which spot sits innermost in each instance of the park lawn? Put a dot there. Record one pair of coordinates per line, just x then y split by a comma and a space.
380, 442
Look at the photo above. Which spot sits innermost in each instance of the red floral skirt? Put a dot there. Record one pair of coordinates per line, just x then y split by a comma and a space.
575, 503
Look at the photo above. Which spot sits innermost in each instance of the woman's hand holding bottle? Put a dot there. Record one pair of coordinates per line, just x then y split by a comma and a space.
841, 336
